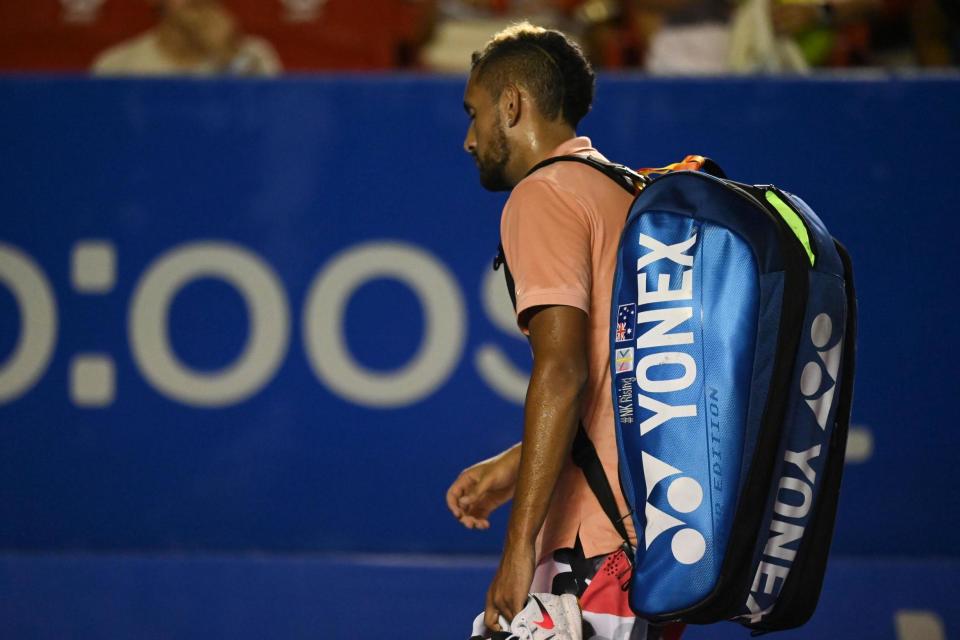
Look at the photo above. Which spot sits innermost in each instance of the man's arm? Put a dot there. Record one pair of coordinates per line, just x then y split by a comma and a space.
559, 337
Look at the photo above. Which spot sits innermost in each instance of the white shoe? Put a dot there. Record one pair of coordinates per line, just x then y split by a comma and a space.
548, 617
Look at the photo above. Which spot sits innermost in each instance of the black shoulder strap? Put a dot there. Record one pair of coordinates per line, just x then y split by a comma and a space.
585, 456
624, 176
501, 260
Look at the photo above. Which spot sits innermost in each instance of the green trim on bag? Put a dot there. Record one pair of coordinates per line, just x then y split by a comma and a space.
793, 221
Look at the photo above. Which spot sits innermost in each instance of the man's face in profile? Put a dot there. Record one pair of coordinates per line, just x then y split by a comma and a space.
486, 140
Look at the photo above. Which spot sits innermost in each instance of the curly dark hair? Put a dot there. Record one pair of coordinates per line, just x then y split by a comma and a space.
548, 64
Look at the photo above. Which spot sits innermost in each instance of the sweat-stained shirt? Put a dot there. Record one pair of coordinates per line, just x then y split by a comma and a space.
560, 230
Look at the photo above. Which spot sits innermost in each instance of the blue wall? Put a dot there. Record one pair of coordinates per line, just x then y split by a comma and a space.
299, 178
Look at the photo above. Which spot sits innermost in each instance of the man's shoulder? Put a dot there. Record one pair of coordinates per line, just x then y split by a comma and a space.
540, 188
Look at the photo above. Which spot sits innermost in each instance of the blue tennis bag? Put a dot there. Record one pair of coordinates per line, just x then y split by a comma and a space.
732, 343
732, 356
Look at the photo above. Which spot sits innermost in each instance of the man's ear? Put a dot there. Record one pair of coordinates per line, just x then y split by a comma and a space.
510, 103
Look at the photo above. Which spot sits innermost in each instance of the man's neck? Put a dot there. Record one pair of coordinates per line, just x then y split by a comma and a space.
541, 146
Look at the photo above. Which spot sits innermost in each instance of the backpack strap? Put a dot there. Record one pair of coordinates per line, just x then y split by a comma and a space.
624, 176
585, 456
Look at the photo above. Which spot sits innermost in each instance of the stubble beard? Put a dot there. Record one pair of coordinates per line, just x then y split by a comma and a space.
493, 166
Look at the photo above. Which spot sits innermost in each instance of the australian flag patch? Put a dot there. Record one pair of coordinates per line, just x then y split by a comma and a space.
626, 322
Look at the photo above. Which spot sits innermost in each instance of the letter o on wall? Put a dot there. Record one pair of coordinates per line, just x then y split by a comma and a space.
267, 309
38, 323
666, 358
443, 311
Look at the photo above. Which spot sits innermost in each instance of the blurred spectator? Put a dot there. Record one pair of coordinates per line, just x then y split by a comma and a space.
662, 36
464, 26
613, 33
193, 37
308, 35
890, 34
616, 33
689, 36
832, 33
751, 36
341, 34
762, 36
935, 27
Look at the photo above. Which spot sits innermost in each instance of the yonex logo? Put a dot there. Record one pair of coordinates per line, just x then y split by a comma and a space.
684, 495
811, 379
660, 323
795, 492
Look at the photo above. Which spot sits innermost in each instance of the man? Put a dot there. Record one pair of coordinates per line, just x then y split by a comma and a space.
528, 89
193, 37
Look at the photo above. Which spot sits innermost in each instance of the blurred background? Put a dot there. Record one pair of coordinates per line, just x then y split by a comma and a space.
249, 331
270, 37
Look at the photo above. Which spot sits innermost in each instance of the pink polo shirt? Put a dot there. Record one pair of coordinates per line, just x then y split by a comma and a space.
560, 230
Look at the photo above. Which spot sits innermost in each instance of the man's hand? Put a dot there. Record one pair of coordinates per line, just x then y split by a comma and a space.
508, 591
480, 489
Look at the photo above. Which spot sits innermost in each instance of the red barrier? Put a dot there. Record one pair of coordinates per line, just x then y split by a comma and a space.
66, 35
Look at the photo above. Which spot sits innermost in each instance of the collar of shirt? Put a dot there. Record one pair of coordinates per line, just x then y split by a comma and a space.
580, 145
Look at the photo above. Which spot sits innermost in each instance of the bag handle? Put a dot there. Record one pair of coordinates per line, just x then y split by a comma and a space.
689, 163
